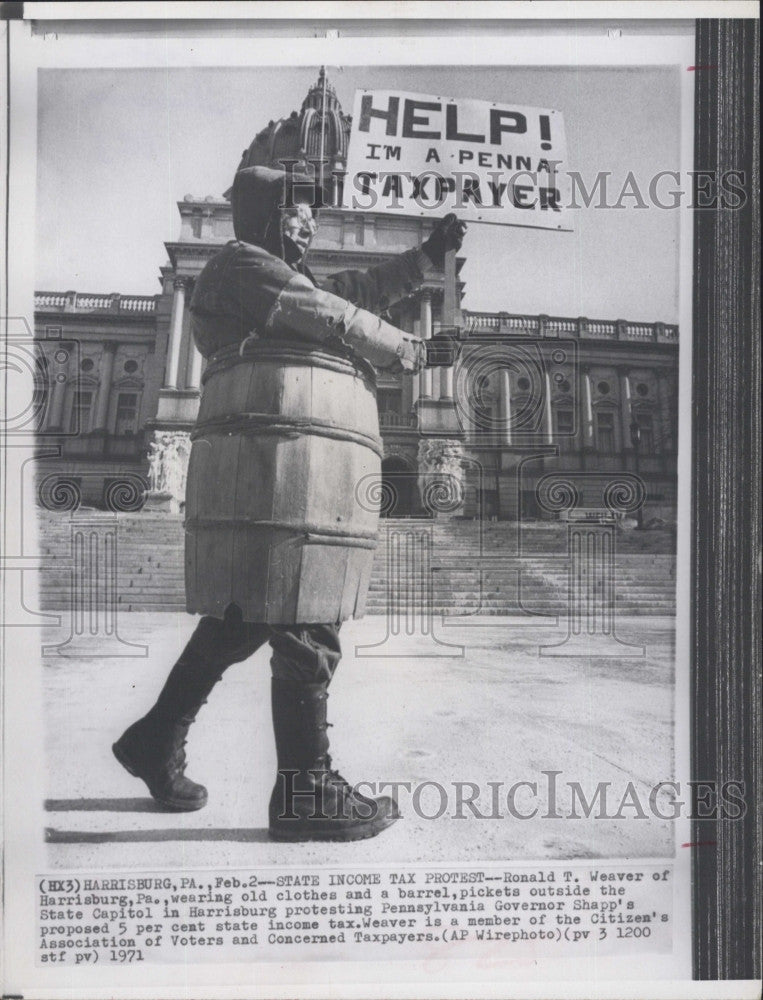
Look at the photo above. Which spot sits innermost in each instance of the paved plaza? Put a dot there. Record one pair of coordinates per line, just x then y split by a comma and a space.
483, 706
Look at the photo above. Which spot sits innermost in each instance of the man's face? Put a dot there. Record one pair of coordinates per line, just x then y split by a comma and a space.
299, 226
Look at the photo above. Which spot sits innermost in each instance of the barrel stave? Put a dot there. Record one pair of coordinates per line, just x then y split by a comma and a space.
273, 520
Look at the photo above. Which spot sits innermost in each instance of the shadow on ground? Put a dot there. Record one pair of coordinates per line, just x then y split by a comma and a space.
248, 836
143, 805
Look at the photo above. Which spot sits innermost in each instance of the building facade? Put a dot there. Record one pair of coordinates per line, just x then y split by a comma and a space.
532, 401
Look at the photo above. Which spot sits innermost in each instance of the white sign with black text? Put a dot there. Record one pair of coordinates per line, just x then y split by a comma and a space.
418, 154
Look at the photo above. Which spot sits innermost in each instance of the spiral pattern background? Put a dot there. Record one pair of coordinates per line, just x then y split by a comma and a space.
555, 494
480, 366
625, 495
376, 495
125, 495
26, 374
61, 495
442, 495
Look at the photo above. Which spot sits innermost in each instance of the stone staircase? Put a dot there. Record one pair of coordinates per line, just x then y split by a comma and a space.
499, 568
494, 568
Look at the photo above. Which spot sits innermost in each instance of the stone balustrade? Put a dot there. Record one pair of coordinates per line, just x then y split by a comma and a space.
389, 418
576, 327
83, 302
476, 322
138, 303
50, 300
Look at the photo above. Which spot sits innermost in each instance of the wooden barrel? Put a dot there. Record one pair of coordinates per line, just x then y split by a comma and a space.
278, 516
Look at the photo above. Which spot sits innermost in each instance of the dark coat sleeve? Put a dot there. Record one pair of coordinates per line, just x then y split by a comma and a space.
234, 295
380, 287
237, 292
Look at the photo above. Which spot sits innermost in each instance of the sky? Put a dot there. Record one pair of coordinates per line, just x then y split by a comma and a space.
117, 149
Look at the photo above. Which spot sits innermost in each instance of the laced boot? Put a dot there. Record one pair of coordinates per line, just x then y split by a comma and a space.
154, 750
153, 747
311, 801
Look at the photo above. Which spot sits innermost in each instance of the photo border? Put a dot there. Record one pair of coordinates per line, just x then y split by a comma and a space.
726, 685
726, 633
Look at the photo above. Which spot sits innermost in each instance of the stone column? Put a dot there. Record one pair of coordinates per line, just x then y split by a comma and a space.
416, 379
587, 416
446, 382
505, 402
193, 371
104, 387
176, 332
666, 417
336, 187
434, 374
57, 396
548, 417
626, 408
425, 323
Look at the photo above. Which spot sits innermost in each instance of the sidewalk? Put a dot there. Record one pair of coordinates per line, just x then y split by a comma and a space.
498, 713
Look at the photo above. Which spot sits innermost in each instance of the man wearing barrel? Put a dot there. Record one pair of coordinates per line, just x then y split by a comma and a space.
278, 544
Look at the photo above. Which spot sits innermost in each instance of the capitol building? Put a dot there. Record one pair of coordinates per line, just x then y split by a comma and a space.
533, 401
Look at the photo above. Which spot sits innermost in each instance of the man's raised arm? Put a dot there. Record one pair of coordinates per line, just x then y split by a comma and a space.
322, 317
382, 286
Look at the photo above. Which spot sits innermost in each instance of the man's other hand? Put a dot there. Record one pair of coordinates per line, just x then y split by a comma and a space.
448, 234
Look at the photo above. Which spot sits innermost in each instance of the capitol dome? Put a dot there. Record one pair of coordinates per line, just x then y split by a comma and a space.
320, 128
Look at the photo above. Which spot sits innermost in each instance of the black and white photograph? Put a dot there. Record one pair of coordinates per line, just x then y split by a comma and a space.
348, 507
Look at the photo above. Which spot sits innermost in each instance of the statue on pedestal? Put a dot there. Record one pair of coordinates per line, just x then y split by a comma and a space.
441, 474
167, 471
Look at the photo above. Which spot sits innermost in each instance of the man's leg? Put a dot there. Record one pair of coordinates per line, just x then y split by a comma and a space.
311, 801
153, 747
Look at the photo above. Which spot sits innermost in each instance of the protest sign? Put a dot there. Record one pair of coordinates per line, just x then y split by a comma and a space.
490, 162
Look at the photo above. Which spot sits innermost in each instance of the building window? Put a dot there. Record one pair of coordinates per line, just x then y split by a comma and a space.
642, 389
605, 431
482, 384
127, 413
604, 387
391, 413
646, 432
87, 364
389, 400
131, 366
82, 407
565, 423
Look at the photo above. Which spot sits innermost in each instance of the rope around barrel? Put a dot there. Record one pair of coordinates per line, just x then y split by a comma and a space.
316, 534
288, 352
277, 423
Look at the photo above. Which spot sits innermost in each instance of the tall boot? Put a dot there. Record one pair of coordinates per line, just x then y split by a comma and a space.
310, 800
153, 748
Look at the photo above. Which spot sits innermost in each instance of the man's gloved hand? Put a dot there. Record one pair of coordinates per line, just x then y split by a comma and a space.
448, 234
442, 349
411, 356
